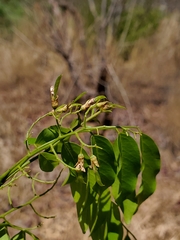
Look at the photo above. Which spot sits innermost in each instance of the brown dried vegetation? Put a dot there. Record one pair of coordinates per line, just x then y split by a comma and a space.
151, 82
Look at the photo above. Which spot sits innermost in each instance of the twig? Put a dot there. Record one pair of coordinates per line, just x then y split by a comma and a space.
32, 199
127, 26
92, 8
25, 39
122, 91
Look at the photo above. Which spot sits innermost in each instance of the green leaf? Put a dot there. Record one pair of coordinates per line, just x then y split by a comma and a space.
70, 178
127, 237
31, 141
151, 167
116, 188
19, 236
130, 164
106, 159
64, 131
99, 227
58, 147
128, 174
4, 233
115, 228
78, 189
47, 135
130, 208
92, 187
89, 208
116, 151
79, 96
75, 123
56, 85
98, 178
48, 162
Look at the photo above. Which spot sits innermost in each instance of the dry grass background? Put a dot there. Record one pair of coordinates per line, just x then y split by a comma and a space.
151, 79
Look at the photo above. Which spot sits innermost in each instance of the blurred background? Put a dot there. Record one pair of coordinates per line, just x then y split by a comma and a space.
128, 50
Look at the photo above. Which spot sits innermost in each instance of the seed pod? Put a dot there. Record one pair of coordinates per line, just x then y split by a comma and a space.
80, 163
94, 161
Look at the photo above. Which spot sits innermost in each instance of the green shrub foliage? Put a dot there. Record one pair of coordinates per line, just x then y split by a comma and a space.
103, 175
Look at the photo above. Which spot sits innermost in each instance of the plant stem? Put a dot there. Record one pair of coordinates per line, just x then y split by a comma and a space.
31, 156
31, 200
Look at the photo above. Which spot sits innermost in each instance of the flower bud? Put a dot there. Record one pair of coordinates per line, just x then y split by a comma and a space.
62, 108
80, 163
94, 161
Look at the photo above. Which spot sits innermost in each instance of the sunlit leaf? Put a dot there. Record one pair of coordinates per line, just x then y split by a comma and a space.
48, 162
116, 188
117, 151
115, 228
130, 163
128, 174
75, 123
99, 227
130, 208
98, 178
106, 159
4, 233
56, 85
78, 189
31, 141
92, 187
78, 97
151, 167
19, 236
47, 135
